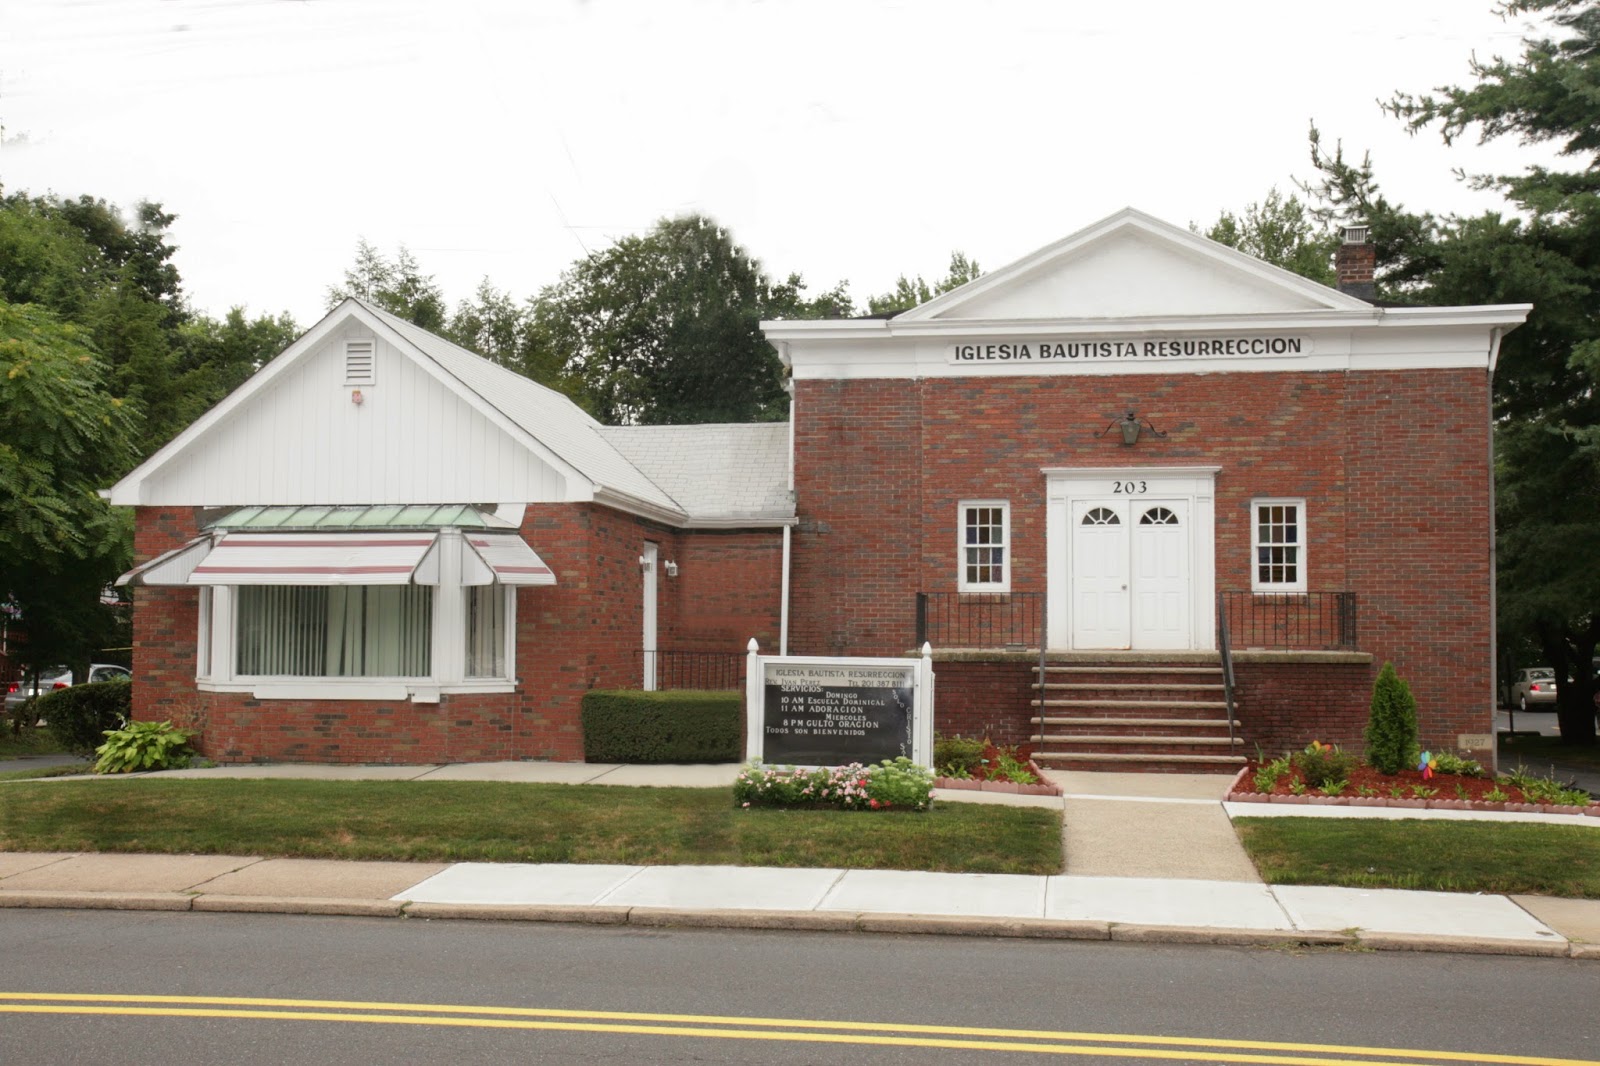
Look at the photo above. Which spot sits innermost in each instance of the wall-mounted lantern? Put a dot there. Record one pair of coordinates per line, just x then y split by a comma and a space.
671, 567
1131, 425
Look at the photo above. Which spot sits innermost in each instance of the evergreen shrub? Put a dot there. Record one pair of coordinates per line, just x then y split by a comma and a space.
1391, 734
79, 717
629, 726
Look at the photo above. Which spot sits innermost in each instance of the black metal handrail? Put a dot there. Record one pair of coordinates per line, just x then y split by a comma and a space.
1225, 646
1290, 621
712, 670
980, 619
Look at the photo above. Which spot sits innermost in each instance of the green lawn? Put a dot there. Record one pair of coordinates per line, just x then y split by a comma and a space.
495, 822
1499, 857
1537, 753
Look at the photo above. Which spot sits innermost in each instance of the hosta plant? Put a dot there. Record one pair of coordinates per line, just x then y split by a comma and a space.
143, 746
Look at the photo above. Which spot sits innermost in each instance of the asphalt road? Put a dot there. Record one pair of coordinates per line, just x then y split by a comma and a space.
350, 990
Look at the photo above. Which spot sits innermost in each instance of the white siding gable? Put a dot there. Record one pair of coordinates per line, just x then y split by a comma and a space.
303, 440
1130, 274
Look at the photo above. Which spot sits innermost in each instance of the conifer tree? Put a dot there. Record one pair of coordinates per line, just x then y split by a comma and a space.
1391, 734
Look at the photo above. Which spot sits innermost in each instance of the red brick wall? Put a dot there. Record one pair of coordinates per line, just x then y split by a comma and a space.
584, 632
979, 699
1285, 706
1392, 465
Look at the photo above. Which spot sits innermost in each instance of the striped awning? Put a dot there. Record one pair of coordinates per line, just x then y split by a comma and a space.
365, 558
504, 558
169, 568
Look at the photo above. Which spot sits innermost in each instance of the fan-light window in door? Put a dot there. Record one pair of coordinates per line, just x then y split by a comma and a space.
1101, 516
1158, 516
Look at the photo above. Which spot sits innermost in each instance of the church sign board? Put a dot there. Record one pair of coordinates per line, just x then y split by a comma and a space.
821, 711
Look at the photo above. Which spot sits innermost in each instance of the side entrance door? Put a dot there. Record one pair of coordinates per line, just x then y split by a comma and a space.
1129, 569
648, 558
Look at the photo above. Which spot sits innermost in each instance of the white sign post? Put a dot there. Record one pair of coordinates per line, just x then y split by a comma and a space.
806, 710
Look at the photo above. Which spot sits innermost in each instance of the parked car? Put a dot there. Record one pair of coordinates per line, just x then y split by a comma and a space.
1534, 687
54, 677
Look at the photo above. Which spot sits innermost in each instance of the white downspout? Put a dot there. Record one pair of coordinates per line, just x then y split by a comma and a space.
788, 531
783, 613
1494, 561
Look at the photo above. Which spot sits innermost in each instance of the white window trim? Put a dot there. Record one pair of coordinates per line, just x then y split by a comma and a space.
218, 609
962, 584
1302, 567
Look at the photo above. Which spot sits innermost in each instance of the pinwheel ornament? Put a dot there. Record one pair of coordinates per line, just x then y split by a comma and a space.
1425, 764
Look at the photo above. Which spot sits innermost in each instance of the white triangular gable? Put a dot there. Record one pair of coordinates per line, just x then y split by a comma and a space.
1131, 266
295, 434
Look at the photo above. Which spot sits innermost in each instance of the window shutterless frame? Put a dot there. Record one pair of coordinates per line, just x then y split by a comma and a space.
1278, 538
983, 546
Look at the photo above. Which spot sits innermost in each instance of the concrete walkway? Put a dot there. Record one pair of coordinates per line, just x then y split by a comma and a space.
1149, 858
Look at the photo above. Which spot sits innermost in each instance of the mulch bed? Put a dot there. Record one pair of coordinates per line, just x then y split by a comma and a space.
1447, 795
988, 778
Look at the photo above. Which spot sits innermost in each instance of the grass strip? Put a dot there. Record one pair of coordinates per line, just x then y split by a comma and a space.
500, 822
1444, 856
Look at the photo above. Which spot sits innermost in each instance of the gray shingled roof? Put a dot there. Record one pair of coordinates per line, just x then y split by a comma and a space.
718, 473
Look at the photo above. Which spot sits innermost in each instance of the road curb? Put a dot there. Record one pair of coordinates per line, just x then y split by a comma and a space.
104, 901
372, 908
1244, 938
799, 921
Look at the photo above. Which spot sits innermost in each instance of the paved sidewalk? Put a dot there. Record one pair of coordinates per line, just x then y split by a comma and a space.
1166, 893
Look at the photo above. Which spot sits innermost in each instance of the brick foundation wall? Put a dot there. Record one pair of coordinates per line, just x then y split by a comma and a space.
983, 699
584, 632
1285, 706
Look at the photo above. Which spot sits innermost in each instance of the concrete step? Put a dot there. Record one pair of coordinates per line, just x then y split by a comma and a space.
1131, 727
1140, 763
1123, 744
1135, 705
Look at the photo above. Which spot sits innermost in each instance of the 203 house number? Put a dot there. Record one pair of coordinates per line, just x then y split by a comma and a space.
1129, 488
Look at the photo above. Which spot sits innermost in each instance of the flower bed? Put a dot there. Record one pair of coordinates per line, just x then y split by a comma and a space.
1362, 786
980, 765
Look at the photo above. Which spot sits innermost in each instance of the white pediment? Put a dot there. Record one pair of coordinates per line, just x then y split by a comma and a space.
1131, 266
314, 428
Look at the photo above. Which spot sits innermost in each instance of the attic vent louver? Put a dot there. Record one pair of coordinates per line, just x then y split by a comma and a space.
360, 363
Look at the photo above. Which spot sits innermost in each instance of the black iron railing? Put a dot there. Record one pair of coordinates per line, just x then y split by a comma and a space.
980, 619
716, 670
1225, 648
1289, 621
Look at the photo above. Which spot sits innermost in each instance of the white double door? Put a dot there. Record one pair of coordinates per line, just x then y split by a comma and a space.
1129, 567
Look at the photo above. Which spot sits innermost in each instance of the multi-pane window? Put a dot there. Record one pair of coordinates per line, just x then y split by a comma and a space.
985, 531
1278, 541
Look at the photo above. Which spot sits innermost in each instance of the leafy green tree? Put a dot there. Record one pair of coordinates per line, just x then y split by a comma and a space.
397, 285
219, 355
116, 281
1545, 251
1391, 734
1283, 232
66, 438
495, 326
665, 328
910, 292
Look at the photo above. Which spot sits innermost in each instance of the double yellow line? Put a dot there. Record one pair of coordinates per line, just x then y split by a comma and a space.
797, 1030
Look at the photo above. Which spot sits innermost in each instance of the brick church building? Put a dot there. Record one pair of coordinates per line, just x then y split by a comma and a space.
1090, 479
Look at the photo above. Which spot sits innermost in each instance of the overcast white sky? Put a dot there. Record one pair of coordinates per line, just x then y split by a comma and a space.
852, 139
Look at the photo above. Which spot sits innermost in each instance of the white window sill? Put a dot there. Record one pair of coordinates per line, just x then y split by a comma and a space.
417, 691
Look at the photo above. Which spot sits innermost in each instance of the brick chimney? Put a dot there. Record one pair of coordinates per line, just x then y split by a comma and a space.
1355, 262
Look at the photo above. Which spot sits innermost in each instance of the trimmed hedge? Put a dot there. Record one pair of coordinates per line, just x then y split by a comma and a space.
79, 716
650, 727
